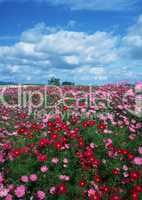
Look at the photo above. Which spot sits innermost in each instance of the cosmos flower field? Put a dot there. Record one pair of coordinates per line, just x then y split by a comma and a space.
75, 145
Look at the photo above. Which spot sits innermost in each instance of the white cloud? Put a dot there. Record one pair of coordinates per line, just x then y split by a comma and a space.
71, 60
44, 51
89, 74
94, 48
133, 41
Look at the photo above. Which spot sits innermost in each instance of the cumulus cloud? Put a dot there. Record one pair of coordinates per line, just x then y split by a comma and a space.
44, 51
133, 41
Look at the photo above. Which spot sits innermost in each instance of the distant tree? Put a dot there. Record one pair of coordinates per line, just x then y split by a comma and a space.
68, 83
54, 81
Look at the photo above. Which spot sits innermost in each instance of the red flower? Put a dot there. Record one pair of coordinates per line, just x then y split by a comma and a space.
16, 152
137, 188
91, 122
6, 146
35, 127
43, 142
123, 151
115, 197
135, 175
94, 196
50, 124
105, 188
21, 130
25, 150
116, 171
82, 183
97, 179
135, 196
58, 145
102, 126
84, 124
63, 139
62, 189
54, 136
130, 156
42, 157
81, 142
65, 108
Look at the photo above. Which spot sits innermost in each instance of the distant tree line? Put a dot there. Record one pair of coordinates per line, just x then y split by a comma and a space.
57, 82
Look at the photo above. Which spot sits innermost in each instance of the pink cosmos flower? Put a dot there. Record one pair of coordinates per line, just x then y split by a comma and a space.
6, 146
125, 174
20, 191
65, 161
52, 190
55, 160
64, 177
137, 160
33, 177
24, 179
44, 169
88, 114
132, 129
67, 178
92, 145
110, 154
107, 142
140, 150
3, 192
83, 110
91, 192
11, 187
9, 197
41, 195
125, 168
67, 146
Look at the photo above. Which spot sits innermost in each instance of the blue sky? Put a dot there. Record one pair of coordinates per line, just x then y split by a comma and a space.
88, 42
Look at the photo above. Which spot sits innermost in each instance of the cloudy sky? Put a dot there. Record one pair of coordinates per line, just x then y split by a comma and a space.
85, 41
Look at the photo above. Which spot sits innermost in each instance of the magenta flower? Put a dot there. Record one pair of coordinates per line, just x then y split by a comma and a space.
65, 161
140, 150
24, 179
33, 177
9, 197
41, 195
137, 160
55, 160
20, 191
52, 190
3, 192
44, 169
